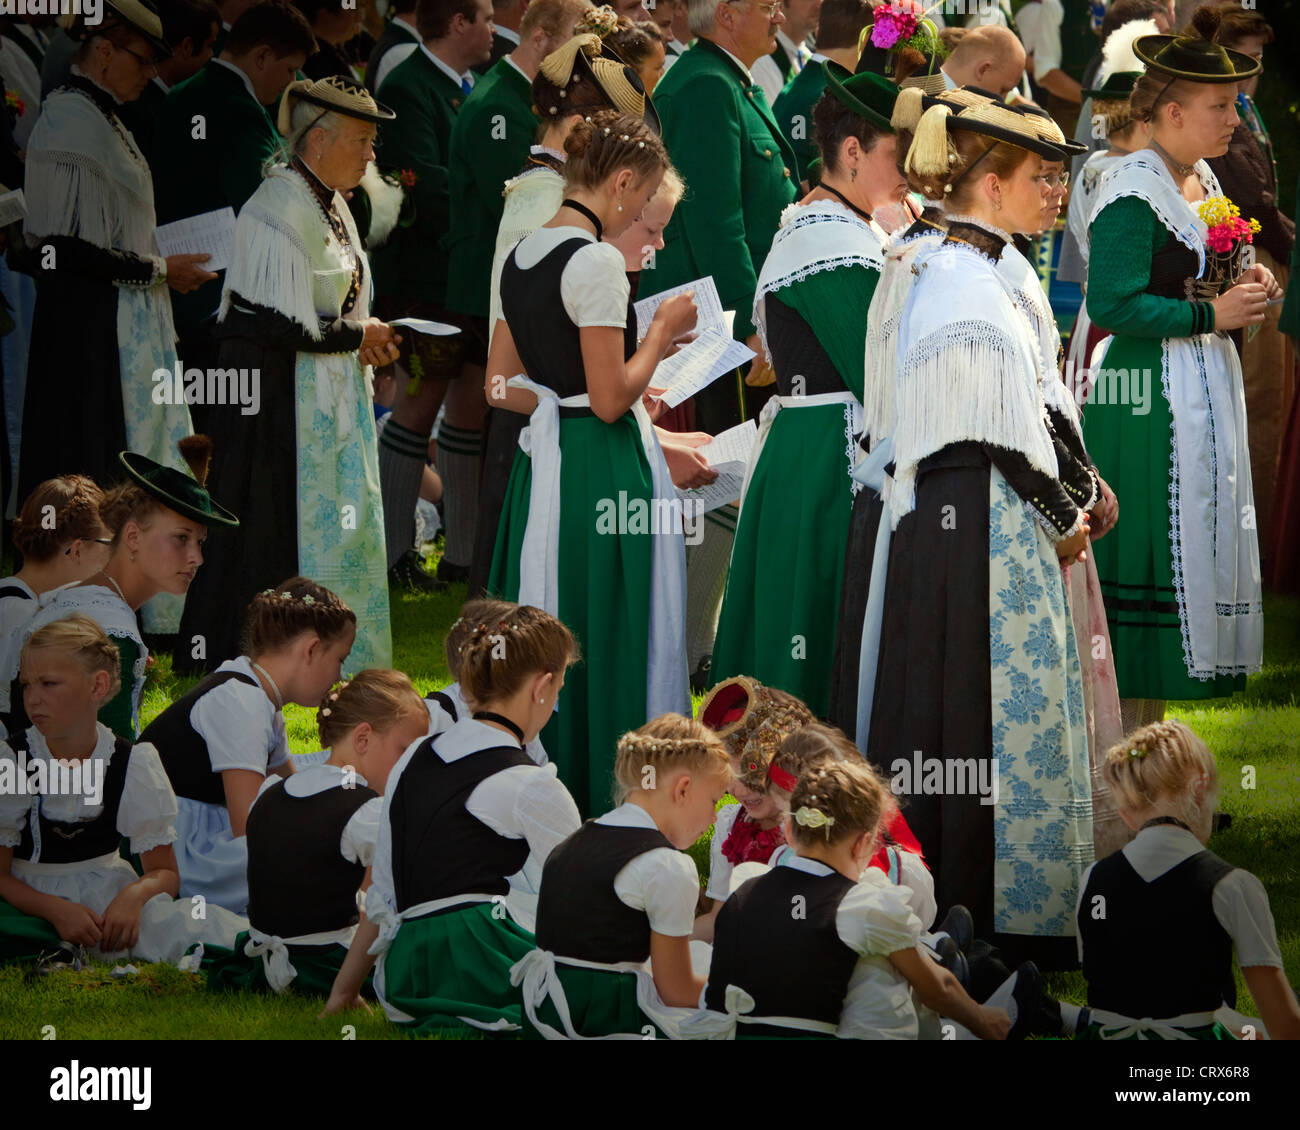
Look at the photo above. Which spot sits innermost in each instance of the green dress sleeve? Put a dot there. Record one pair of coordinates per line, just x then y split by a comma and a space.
1123, 237
118, 713
834, 304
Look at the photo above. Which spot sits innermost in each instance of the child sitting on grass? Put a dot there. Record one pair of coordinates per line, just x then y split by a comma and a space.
1166, 885
220, 740
614, 921
61, 876
311, 837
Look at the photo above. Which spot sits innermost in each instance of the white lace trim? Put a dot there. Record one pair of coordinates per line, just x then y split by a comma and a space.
1175, 538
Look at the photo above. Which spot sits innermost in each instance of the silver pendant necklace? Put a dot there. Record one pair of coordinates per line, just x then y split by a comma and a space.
279, 698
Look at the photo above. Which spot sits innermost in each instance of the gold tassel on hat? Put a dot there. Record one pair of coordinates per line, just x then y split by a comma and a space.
928, 154
907, 108
557, 67
286, 104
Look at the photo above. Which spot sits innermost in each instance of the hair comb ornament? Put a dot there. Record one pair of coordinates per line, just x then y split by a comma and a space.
814, 818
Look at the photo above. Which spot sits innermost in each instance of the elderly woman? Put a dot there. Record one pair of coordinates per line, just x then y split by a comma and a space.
103, 323
296, 308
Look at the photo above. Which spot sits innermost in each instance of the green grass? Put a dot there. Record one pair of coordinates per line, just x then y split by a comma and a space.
1258, 730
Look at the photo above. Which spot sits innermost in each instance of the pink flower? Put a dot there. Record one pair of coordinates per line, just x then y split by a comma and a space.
890, 25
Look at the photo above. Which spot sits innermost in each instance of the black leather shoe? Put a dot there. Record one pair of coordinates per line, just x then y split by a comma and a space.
953, 960
452, 574
1037, 1014
700, 680
959, 926
66, 955
409, 573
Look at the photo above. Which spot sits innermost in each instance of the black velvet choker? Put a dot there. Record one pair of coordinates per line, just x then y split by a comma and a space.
500, 720
1155, 821
976, 236
568, 202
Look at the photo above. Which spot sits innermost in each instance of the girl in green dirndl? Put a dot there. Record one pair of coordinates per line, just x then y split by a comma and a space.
811, 309
591, 530
1180, 575
614, 957
311, 837
466, 814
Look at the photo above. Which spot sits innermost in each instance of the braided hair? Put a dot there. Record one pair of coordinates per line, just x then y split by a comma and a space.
378, 696
836, 801
671, 741
1160, 762
82, 638
607, 141
501, 654
276, 616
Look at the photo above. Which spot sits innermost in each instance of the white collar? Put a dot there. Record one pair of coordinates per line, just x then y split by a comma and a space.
403, 24
948, 84
817, 58
507, 34
248, 83
803, 863
1158, 849
317, 778
549, 152
791, 47
105, 743
747, 72
161, 85
510, 59
76, 70
244, 666
24, 586
470, 736
628, 815
457, 79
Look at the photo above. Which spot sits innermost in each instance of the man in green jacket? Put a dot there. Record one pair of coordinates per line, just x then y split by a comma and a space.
212, 139
740, 174
427, 91
838, 28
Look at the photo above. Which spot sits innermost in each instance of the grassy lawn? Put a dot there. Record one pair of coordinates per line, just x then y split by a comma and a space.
1255, 737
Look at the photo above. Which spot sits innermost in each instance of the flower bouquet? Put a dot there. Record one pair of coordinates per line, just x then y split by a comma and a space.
1226, 240
899, 25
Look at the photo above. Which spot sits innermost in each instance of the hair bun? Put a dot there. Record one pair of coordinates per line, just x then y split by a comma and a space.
575, 145
1205, 21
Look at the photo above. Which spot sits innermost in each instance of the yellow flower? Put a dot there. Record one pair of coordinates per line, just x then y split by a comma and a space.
1254, 226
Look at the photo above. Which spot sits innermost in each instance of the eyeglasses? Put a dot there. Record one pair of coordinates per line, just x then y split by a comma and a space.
97, 541
769, 10
1056, 180
150, 61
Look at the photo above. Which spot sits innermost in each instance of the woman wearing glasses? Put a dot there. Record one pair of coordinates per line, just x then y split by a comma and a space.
70, 548
102, 325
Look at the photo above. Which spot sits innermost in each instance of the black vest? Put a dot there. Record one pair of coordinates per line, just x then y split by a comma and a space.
298, 881
579, 914
783, 953
1191, 974
183, 750
439, 848
75, 843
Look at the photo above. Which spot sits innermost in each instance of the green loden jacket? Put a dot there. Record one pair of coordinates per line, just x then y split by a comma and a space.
489, 145
740, 174
211, 140
793, 112
412, 264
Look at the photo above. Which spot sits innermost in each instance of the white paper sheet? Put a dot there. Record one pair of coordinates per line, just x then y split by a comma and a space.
13, 207
708, 306
210, 233
697, 365
424, 326
728, 454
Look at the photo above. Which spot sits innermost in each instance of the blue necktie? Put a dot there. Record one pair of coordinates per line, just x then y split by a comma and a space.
466, 85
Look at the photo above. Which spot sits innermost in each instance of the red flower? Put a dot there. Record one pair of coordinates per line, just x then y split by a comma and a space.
407, 177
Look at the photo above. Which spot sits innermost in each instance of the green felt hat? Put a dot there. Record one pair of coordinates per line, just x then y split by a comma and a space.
869, 95
176, 490
1116, 88
1195, 59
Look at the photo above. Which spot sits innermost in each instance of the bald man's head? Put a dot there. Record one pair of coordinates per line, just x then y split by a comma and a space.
990, 58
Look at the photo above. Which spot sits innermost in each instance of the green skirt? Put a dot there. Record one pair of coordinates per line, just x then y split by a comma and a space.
603, 593
450, 970
24, 937
781, 608
234, 971
601, 1003
1134, 454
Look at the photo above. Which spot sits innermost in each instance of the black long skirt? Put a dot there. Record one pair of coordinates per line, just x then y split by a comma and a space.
73, 419
255, 474
933, 685
858, 555
501, 441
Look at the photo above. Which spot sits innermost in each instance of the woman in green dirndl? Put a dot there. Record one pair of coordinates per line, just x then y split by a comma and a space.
311, 839
591, 530
811, 311
1167, 414
466, 814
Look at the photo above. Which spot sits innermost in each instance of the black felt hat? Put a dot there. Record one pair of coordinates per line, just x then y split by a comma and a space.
176, 490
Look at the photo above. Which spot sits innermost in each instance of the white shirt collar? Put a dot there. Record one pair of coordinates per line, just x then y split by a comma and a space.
628, 815
403, 24
948, 84
1155, 850
160, 84
470, 736
803, 863
248, 83
506, 33
457, 79
791, 47
549, 152
317, 778
105, 744
517, 67
747, 72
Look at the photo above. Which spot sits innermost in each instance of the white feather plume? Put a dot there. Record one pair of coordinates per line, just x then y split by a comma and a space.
1117, 53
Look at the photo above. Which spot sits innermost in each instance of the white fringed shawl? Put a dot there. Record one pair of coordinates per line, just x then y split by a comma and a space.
967, 370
